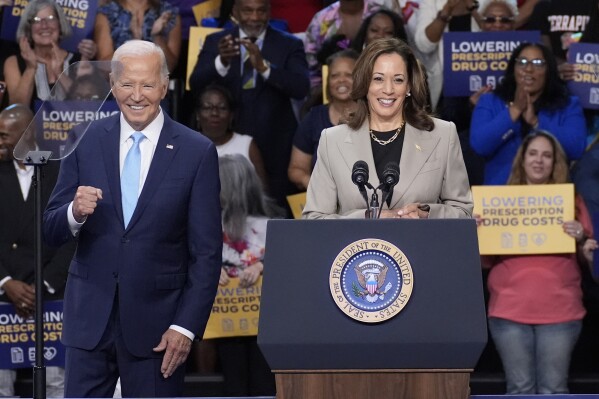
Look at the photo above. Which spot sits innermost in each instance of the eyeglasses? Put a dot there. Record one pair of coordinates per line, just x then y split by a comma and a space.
536, 63
207, 108
49, 19
502, 20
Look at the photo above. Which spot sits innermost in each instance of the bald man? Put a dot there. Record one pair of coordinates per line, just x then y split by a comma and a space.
17, 234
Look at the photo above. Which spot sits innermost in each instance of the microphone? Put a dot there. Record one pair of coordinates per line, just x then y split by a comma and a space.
359, 175
390, 180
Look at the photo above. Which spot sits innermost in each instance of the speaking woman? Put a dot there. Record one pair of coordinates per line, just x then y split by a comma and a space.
390, 126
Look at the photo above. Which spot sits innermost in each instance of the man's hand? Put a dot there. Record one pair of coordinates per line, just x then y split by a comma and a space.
176, 347
22, 295
85, 202
227, 49
255, 55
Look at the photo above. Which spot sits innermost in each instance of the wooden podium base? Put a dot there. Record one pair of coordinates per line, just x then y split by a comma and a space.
373, 384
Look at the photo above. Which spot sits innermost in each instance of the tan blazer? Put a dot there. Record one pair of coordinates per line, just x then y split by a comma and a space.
432, 172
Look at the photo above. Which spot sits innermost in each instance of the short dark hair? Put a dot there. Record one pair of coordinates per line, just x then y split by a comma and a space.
415, 105
229, 99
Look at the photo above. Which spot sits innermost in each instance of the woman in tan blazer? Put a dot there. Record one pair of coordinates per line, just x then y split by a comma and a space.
391, 125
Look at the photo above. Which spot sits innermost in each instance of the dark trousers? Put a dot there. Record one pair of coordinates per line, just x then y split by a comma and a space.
94, 373
244, 368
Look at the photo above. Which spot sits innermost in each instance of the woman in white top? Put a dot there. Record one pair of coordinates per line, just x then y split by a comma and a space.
214, 118
436, 17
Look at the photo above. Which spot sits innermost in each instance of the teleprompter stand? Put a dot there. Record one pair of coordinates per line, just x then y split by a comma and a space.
38, 159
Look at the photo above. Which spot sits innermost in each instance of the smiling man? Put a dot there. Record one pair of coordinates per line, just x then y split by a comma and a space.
141, 196
263, 68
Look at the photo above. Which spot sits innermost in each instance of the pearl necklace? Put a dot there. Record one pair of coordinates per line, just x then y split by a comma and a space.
392, 139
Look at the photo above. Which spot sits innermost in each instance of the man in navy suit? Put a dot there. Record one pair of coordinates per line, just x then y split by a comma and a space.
140, 194
264, 69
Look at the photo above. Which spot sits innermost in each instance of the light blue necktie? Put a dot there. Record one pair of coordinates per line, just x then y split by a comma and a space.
130, 177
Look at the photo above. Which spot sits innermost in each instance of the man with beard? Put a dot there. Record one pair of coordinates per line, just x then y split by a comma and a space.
264, 69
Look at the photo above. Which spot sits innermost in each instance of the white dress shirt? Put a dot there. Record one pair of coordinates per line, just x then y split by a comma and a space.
223, 70
24, 176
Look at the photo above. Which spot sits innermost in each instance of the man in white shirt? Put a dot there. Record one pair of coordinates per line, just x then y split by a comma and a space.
140, 193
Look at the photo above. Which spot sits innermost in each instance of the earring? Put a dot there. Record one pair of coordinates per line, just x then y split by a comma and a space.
409, 94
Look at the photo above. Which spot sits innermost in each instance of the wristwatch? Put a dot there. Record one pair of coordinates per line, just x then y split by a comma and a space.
265, 65
442, 17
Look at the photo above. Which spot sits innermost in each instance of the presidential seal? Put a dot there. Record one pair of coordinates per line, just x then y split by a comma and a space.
371, 280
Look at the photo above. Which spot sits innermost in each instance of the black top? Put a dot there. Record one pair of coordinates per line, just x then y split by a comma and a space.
383, 154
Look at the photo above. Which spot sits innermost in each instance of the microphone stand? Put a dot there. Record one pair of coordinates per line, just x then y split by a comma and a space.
374, 209
38, 159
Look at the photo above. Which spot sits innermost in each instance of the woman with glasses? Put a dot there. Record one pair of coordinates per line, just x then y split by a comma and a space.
535, 301
531, 96
214, 114
31, 74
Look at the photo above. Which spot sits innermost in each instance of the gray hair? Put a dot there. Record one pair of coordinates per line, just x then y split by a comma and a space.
512, 5
241, 194
137, 48
34, 6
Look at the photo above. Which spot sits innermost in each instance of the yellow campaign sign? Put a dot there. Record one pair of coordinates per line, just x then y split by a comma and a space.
235, 311
197, 37
296, 203
524, 219
325, 79
206, 9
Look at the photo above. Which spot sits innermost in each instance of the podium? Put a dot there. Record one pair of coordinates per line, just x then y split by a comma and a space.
427, 351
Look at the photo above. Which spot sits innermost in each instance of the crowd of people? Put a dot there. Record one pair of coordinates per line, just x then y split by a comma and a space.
287, 112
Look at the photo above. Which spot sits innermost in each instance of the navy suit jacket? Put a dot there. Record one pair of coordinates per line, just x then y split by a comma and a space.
165, 264
265, 112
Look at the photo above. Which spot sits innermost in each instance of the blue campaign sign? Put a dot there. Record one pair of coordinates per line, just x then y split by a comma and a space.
475, 59
80, 14
17, 337
585, 85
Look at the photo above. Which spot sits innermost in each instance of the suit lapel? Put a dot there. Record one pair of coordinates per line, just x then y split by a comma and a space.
110, 152
418, 146
163, 155
357, 147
